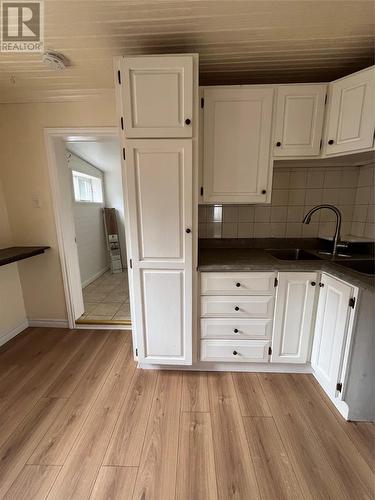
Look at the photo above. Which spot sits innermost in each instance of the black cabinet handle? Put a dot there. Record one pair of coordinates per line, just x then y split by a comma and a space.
235, 330
321, 285
236, 308
188, 230
331, 141
264, 191
187, 121
235, 353
278, 144
238, 285
313, 283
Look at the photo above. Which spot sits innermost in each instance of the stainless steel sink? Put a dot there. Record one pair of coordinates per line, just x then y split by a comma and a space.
361, 266
292, 254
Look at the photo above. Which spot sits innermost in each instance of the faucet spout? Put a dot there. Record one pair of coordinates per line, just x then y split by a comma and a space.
336, 211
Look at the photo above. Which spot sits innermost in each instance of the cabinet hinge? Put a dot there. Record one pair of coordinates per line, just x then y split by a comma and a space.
352, 302
119, 77
131, 263
325, 99
321, 144
123, 153
339, 387
269, 351
136, 351
202, 102
276, 282
122, 123
201, 190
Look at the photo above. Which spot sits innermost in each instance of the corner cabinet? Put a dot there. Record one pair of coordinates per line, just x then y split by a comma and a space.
334, 323
157, 96
294, 317
299, 120
237, 165
351, 114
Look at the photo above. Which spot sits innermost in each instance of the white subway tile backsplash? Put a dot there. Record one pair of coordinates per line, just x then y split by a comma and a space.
262, 214
296, 197
229, 230
213, 230
294, 230
314, 196
347, 196
296, 214
315, 179
279, 214
330, 196
246, 213
261, 230
281, 179
277, 229
245, 230
230, 213
298, 179
280, 197
332, 179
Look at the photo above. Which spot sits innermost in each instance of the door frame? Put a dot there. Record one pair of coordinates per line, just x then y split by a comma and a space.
76, 134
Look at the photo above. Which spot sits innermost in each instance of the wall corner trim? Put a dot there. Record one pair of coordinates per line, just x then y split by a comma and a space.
7, 335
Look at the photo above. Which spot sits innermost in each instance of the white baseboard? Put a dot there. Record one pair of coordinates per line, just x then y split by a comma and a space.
233, 367
9, 334
103, 327
49, 323
95, 277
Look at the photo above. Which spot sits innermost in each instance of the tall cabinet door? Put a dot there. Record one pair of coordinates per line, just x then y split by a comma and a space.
351, 113
237, 132
158, 96
159, 190
330, 332
294, 317
299, 120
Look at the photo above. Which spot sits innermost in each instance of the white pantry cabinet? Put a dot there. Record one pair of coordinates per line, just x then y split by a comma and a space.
157, 96
237, 166
294, 316
351, 113
158, 178
332, 332
299, 120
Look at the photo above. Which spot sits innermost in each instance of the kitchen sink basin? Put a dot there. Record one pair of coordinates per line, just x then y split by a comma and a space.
292, 254
361, 266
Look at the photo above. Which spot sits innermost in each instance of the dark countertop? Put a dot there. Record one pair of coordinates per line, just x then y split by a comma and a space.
13, 254
240, 255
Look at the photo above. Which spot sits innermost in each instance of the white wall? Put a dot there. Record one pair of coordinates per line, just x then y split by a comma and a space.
12, 307
114, 198
88, 220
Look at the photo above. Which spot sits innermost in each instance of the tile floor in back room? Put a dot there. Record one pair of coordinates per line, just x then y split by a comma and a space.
107, 298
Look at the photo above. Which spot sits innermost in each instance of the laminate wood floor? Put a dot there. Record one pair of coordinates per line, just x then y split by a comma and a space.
78, 420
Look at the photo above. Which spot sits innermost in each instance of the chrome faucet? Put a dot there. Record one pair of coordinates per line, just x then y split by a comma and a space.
336, 238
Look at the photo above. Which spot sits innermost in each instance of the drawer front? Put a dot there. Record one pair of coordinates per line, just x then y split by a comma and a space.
225, 328
237, 307
236, 351
238, 283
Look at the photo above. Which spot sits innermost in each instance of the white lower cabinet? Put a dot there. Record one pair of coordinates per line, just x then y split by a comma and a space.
294, 316
333, 328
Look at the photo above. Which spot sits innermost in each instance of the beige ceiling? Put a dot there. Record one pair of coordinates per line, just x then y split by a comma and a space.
237, 41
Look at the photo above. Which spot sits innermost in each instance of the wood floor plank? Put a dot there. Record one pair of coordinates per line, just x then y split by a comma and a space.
156, 478
33, 483
196, 477
78, 474
309, 459
250, 395
352, 470
234, 468
275, 474
114, 483
127, 440
56, 444
195, 392
17, 449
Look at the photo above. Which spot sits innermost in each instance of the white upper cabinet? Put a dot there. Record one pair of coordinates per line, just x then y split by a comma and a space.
331, 332
351, 113
237, 167
294, 317
157, 94
299, 120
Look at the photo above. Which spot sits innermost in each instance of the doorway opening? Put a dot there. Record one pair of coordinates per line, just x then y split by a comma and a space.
87, 187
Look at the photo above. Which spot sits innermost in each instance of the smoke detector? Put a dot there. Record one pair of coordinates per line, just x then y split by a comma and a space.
54, 60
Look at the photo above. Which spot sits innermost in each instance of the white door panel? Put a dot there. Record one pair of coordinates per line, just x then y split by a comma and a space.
293, 324
299, 120
158, 96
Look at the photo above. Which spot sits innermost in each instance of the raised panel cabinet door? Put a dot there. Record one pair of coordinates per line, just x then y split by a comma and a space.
299, 120
159, 189
237, 132
294, 317
351, 113
158, 96
331, 330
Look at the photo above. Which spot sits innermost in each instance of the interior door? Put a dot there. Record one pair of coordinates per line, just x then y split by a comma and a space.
294, 322
158, 96
159, 190
351, 114
237, 134
299, 120
330, 332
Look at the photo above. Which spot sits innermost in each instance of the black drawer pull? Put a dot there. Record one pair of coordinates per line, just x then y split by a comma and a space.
235, 330
236, 308
235, 353
238, 285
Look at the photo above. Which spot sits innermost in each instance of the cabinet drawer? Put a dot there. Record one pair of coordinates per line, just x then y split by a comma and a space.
236, 351
237, 307
237, 283
220, 328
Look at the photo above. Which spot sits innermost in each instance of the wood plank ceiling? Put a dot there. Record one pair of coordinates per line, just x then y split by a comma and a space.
238, 42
